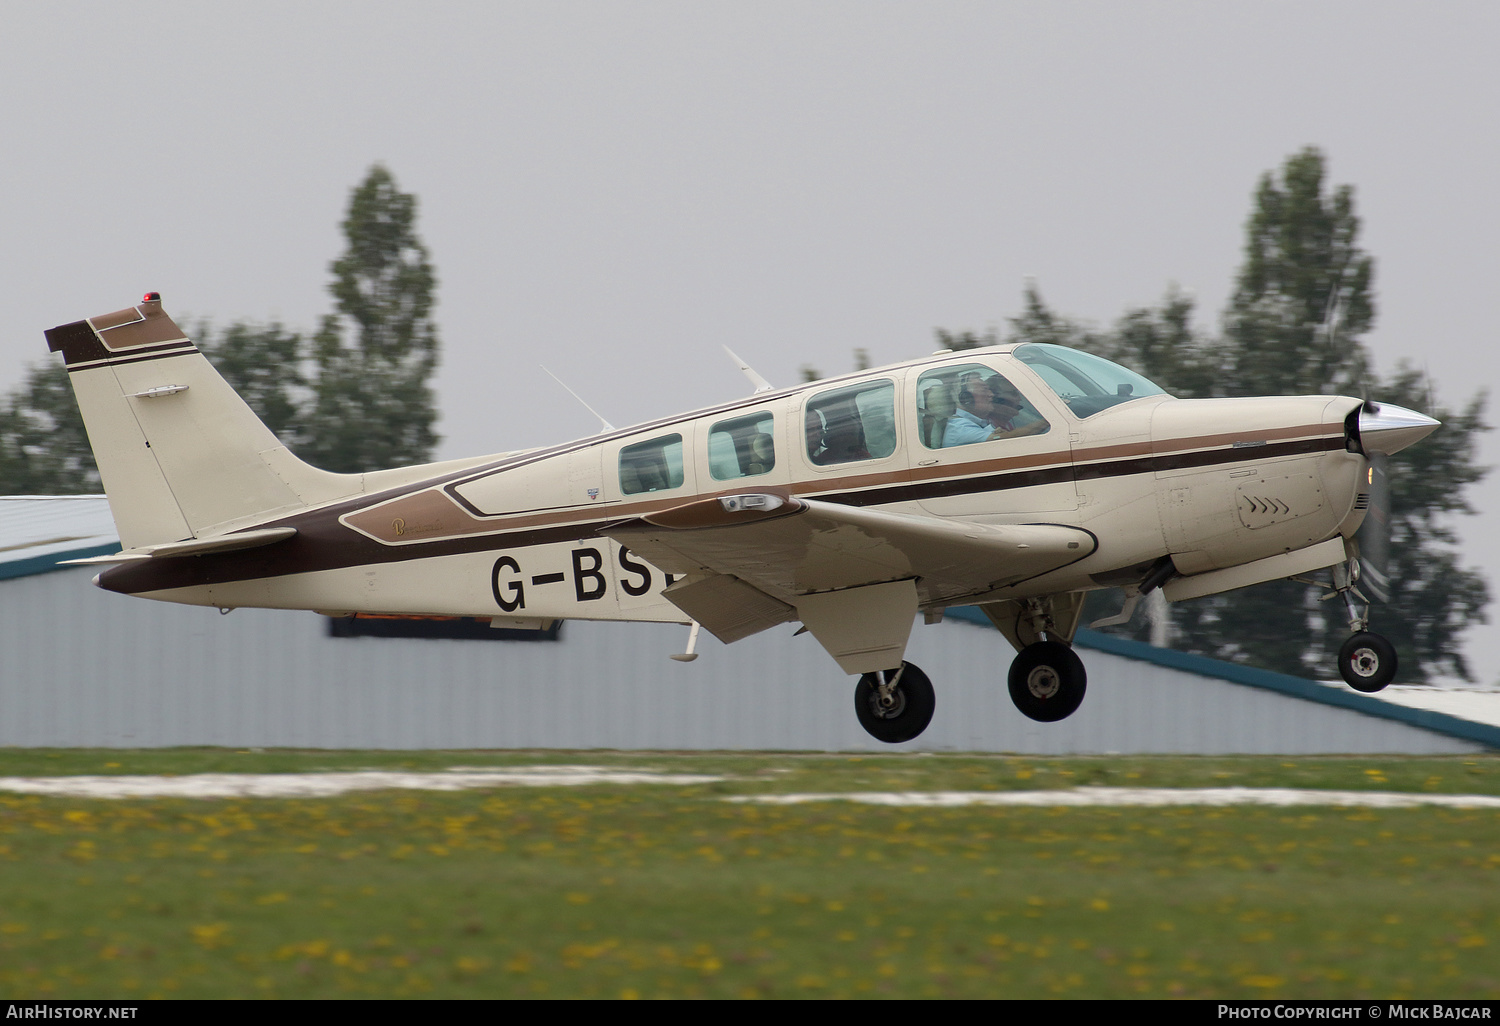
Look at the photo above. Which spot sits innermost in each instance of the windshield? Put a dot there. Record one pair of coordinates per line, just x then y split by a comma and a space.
1088, 384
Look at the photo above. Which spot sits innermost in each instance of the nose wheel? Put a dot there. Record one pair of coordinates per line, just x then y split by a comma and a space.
895, 705
1367, 662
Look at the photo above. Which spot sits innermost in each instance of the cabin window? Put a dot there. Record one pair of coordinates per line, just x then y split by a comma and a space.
1088, 384
652, 466
845, 425
743, 447
971, 403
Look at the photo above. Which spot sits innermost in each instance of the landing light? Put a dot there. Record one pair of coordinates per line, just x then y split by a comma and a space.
739, 503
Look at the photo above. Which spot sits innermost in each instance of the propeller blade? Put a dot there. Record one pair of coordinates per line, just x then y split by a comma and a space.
1374, 534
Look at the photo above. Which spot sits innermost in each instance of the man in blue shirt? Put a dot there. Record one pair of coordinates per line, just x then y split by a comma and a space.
987, 410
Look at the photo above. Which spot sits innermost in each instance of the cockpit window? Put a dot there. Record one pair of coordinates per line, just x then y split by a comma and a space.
1088, 384
971, 403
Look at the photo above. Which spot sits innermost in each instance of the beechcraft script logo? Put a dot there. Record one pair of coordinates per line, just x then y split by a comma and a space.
399, 526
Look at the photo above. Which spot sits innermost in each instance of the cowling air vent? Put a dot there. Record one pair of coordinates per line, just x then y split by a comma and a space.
1277, 500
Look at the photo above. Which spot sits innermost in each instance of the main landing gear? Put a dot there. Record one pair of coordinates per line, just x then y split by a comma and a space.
895, 705
1047, 681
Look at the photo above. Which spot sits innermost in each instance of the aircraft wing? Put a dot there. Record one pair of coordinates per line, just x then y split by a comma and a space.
752, 561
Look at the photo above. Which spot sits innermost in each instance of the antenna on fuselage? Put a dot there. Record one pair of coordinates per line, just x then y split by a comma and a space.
760, 383
604, 424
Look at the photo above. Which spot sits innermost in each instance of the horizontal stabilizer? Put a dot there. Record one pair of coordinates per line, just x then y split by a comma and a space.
224, 543
195, 546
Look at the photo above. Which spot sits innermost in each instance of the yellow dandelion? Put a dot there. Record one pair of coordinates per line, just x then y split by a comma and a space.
210, 935
1263, 981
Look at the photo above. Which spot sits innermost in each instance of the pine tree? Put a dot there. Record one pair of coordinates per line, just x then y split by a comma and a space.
1304, 296
368, 405
372, 407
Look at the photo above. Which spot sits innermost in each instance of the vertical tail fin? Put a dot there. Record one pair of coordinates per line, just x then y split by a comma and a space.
180, 454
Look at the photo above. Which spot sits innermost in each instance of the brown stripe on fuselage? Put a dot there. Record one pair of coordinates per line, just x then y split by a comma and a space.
323, 542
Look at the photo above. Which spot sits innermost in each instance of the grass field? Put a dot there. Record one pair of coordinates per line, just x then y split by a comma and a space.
670, 891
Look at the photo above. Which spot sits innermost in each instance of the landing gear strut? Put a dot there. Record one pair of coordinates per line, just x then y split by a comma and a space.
1367, 661
895, 705
1047, 680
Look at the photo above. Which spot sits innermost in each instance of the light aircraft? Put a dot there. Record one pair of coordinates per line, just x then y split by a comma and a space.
1016, 478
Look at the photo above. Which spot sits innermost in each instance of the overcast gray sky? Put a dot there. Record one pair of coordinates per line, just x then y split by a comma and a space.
616, 188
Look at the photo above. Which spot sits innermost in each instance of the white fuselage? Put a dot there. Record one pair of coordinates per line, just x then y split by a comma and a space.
1213, 483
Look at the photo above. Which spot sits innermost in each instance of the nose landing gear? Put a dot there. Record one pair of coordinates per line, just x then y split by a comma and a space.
1367, 661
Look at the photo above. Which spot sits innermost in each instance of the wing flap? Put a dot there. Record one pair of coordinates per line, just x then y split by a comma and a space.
729, 608
788, 547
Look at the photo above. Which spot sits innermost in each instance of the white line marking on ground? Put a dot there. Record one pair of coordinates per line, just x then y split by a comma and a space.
321, 785
1138, 796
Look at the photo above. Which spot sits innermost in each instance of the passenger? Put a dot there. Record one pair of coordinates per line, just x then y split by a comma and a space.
814, 430
842, 439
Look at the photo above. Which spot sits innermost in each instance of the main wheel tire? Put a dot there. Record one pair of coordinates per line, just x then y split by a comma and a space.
1367, 662
1047, 681
905, 715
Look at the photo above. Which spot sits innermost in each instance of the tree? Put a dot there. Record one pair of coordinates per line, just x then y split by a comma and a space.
1304, 295
44, 449
1303, 300
264, 365
366, 406
372, 407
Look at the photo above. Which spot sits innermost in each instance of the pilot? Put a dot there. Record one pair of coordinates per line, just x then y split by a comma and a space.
972, 421
989, 410
1009, 414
